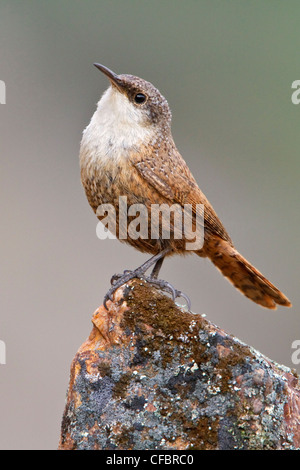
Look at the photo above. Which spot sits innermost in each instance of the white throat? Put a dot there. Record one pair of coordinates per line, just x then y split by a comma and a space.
116, 128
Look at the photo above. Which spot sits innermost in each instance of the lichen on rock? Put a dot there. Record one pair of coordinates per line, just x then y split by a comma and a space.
154, 376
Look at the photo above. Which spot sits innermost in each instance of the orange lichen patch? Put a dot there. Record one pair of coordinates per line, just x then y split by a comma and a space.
222, 351
150, 407
107, 324
178, 443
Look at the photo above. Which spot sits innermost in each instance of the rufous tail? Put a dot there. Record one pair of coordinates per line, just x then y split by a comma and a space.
243, 275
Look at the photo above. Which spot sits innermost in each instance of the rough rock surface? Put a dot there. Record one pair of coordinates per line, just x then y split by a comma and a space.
153, 376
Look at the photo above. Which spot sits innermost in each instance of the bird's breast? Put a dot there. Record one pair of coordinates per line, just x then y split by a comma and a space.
105, 159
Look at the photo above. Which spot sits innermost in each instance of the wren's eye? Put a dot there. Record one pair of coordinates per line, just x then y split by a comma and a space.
140, 98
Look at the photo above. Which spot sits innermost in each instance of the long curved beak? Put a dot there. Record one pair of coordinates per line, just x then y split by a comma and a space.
112, 76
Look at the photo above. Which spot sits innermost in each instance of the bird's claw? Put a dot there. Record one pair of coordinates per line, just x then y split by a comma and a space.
119, 280
167, 287
116, 277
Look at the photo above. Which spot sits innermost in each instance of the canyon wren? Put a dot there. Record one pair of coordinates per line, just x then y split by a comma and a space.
128, 150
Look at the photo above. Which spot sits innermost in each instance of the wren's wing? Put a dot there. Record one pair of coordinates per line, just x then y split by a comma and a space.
170, 176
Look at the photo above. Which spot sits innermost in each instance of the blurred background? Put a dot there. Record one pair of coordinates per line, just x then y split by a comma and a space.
226, 69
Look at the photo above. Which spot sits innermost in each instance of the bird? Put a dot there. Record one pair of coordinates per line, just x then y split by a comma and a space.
127, 150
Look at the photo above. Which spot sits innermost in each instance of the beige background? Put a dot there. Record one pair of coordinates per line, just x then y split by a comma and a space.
226, 69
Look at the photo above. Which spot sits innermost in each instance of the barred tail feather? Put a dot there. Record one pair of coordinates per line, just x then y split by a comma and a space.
243, 275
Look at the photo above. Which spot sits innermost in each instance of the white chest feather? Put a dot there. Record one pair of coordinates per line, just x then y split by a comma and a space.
116, 128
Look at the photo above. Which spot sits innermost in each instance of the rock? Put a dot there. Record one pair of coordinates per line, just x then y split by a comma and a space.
154, 376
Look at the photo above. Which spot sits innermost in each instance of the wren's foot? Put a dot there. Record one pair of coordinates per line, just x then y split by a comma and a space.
116, 277
119, 280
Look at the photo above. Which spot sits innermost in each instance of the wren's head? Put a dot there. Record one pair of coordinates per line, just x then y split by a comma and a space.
134, 101
131, 114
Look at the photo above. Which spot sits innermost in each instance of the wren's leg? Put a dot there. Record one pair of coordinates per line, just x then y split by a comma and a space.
153, 275
157, 267
140, 270
119, 280
164, 285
